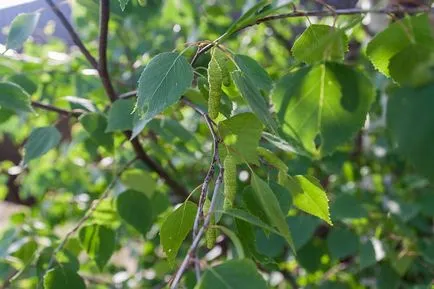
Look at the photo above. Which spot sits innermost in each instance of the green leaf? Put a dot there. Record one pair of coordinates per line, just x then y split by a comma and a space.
14, 98
411, 123
120, 117
21, 28
413, 66
95, 124
254, 71
254, 98
342, 243
241, 134
309, 196
387, 278
367, 255
64, 278
322, 106
40, 141
347, 206
247, 217
140, 181
24, 82
123, 4
99, 243
233, 274
135, 208
320, 42
175, 229
303, 228
250, 15
162, 83
270, 205
396, 37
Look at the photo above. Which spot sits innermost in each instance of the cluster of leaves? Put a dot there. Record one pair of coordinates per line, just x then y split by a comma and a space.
289, 122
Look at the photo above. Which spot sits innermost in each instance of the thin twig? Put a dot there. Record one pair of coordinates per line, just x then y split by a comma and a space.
128, 94
49, 107
185, 263
75, 38
319, 13
88, 213
102, 47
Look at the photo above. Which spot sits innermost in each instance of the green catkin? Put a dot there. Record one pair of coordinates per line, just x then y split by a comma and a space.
271, 158
215, 80
211, 233
222, 61
230, 181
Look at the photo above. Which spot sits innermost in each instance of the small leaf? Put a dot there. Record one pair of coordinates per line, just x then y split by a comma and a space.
271, 207
99, 243
241, 134
13, 97
319, 43
175, 229
135, 208
309, 196
40, 141
247, 217
303, 228
139, 180
254, 71
21, 28
161, 84
367, 255
64, 278
322, 106
396, 37
123, 4
254, 98
233, 274
120, 117
413, 66
95, 124
414, 133
342, 243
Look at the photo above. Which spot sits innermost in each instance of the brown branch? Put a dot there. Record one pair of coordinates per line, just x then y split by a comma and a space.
75, 38
61, 111
102, 47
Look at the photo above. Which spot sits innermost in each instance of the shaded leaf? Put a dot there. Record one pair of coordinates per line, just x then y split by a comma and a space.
322, 106
414, 133
135, 208
21, 28
64, 278
367, 255
396, 37
254, 71
175, 229
233, 274
40, 141
95, 124
270, 205
13, 97
99, 243
342, 243
120, 117
123, 4
254, 98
